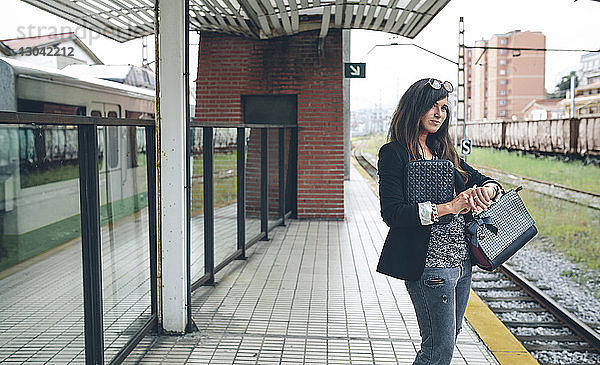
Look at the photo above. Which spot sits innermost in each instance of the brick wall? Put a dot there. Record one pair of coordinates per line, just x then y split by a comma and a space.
230, 66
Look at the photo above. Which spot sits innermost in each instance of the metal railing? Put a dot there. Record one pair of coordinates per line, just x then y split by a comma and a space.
90, 208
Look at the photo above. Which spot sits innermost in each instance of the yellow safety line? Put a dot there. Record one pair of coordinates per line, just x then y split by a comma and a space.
499, 340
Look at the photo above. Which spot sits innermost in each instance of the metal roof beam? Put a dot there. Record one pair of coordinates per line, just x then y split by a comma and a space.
123, 20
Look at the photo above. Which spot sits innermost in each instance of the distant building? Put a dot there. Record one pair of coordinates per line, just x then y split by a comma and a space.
53, 51
124, 74
589, 69
370, 120
501, 82
543, 109
587, 101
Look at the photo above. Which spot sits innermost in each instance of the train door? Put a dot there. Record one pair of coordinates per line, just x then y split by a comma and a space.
110, 145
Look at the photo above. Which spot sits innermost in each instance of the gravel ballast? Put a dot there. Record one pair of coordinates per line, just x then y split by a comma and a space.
546, 268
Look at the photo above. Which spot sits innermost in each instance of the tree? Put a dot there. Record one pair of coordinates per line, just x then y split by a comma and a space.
560, 91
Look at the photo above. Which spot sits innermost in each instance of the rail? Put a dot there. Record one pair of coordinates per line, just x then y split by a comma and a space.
574, 323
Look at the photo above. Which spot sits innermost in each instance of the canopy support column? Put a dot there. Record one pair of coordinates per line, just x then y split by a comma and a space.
172, 133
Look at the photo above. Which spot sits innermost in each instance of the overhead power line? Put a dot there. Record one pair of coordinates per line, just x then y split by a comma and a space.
535, 49
408, 44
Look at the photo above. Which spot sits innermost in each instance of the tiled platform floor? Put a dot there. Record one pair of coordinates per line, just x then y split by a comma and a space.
310, 295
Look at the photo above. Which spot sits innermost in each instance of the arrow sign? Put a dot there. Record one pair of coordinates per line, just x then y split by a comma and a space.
355, 70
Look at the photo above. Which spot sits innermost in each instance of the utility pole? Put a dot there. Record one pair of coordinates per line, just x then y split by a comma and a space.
144, 51
460, 91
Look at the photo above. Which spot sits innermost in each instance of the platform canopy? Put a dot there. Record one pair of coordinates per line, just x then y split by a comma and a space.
123, 20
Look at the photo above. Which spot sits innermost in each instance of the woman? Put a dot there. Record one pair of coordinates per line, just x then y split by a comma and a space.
432, 257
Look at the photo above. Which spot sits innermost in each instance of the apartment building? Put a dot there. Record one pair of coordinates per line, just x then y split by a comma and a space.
589, 71
501, 82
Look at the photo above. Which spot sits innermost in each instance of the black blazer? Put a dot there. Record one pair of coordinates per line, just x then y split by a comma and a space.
403, 254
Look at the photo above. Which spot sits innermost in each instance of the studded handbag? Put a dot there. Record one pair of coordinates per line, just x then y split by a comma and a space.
430, 180
498, 232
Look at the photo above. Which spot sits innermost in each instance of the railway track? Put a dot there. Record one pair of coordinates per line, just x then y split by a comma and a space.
551, 333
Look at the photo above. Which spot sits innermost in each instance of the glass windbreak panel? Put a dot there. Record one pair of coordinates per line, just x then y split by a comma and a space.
252, 182
197, 204
273, 186
41, 279
124, 230
225, 192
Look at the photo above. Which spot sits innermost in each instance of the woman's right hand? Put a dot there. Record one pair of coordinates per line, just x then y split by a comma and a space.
463, 202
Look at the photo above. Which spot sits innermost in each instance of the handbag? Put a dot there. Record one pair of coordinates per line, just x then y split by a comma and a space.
430, 180
498, 232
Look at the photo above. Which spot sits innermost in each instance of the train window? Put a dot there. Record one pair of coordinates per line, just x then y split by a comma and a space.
96, 113
112, 114
112, 146
36, 106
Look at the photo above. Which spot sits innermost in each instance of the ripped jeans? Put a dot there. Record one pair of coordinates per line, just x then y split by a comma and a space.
440, 299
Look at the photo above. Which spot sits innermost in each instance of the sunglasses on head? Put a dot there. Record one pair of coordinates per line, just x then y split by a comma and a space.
437, 84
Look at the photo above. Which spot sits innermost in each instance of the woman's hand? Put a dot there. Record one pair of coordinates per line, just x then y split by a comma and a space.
475, 199
462, 203
482, 197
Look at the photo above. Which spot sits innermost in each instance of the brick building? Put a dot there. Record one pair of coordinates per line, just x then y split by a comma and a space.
503, 81
231, 68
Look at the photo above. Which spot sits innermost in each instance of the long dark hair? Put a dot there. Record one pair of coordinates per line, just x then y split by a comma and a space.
406, 124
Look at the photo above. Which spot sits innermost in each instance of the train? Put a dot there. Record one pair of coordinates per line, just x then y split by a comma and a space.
576, 138
39, 185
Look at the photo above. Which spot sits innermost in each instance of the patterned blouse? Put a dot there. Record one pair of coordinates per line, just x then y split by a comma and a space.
447, 244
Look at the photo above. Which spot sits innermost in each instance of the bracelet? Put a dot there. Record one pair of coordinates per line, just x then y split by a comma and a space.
434, 213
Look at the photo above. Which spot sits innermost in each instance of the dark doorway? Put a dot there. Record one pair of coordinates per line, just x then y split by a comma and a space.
279, 110
270, 109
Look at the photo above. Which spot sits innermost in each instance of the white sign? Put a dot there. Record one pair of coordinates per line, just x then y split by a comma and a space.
465, 147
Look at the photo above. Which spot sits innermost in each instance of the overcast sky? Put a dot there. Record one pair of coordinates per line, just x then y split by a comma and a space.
567, 24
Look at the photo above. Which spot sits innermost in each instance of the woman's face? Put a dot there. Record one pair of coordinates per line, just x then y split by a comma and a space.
433, 119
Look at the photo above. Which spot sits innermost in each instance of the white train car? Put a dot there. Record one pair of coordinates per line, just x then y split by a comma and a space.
39, 208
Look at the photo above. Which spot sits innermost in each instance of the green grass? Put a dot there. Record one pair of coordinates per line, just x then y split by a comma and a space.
221, 161
573, 229
374, 142
40, 177
60, 173
224, 189
573, 174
